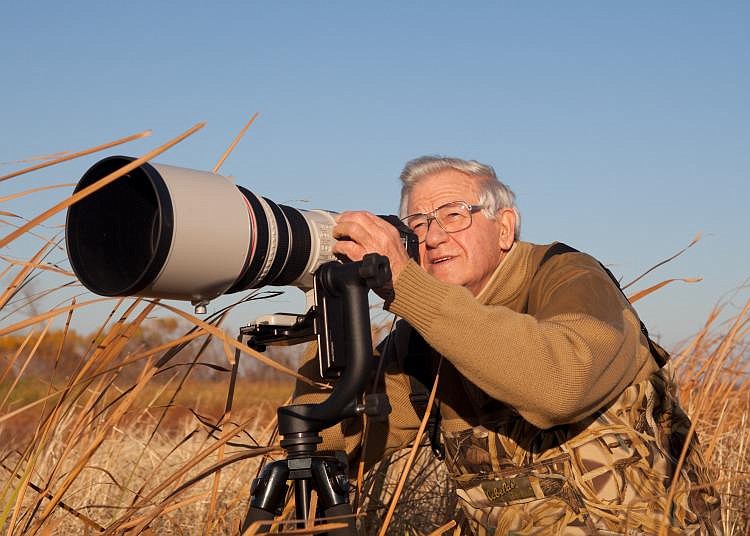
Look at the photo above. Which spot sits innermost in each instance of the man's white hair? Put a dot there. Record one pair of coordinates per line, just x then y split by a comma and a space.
493, 194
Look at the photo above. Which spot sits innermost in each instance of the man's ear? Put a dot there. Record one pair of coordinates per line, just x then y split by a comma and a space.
507, 219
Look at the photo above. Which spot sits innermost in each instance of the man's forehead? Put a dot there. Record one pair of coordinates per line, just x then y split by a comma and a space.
443, 187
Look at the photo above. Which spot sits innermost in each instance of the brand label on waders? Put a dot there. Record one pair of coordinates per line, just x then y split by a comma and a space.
507, 489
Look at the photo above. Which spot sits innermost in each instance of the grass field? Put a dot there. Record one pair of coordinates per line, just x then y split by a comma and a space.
130, 428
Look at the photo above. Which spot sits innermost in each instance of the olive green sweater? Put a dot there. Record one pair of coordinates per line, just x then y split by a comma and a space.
551, 344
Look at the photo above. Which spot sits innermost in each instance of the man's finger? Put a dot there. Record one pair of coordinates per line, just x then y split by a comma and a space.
348, 249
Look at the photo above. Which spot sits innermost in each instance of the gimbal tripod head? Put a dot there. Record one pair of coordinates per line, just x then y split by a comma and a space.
341, 320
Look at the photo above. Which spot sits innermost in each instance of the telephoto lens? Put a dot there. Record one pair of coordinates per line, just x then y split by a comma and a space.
170, 232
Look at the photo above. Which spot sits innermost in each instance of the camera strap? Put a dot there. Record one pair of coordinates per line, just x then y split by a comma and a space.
420, 367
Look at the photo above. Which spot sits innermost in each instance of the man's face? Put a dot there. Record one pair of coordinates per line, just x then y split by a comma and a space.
468, 257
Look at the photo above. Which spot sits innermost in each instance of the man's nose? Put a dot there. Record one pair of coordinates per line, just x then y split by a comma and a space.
435, 233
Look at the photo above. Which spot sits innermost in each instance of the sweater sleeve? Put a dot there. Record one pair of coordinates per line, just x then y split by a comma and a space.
577, 348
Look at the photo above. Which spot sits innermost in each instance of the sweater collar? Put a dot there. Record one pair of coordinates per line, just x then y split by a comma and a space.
509, 277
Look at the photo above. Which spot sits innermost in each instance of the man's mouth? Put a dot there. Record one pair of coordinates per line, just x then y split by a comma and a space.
439, 260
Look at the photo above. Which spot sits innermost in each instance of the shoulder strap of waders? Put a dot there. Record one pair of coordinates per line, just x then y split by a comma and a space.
660, 355
419, 366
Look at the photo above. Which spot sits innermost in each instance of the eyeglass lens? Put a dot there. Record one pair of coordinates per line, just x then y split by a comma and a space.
451, 217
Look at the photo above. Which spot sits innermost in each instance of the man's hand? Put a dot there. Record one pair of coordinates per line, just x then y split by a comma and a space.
359, 233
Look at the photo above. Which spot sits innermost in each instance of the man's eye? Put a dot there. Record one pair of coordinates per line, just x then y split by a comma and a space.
417, 225
453, 215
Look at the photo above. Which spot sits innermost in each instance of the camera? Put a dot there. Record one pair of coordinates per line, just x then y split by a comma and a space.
164, 231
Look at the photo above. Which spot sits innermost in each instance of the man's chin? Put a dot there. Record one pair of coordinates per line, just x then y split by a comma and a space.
445, 275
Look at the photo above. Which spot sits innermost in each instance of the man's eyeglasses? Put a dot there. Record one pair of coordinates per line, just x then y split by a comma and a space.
451, 217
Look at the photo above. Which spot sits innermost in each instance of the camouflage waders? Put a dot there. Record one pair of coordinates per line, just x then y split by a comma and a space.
609, 474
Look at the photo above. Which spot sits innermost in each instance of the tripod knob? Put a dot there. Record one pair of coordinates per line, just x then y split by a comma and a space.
375, 270
376, 406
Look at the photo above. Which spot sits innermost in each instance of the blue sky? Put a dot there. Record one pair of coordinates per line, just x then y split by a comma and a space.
622, 127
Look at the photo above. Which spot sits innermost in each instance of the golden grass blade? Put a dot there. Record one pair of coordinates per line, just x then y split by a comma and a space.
85, 152
698, 339
695, 240
214, 494
100, 332
253, 529
272, 428
45, 429
442, 530
49, 314
112, 420
26, 301
164, 347
5, 271
84, 518
32, 452
258, 451
56, 414
106, 355
219, 334
31, 266
13, 360
51, 528
53, 394
33, 191
412, 454
220, 454
228, 353
366, 432
9, 415
97, 185
234, 143
643, 293
146, 520
14, 472
41, 237
215, 484
81, 382
310, 521
162, 362
719, 430
171, 508
177, 475
37, 158
25, 364
194, 332
26, 270
112, 341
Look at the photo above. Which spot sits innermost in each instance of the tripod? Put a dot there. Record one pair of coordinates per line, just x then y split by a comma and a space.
342, 323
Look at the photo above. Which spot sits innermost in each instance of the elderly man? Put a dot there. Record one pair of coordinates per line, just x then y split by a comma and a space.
556, 414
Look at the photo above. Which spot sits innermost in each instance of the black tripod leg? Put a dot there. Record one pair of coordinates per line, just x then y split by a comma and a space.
333, 493
256, 514
302, 492
268, 493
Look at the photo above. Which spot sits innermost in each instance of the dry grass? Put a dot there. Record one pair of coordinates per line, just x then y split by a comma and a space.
713, 373
122, 481
130, 429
